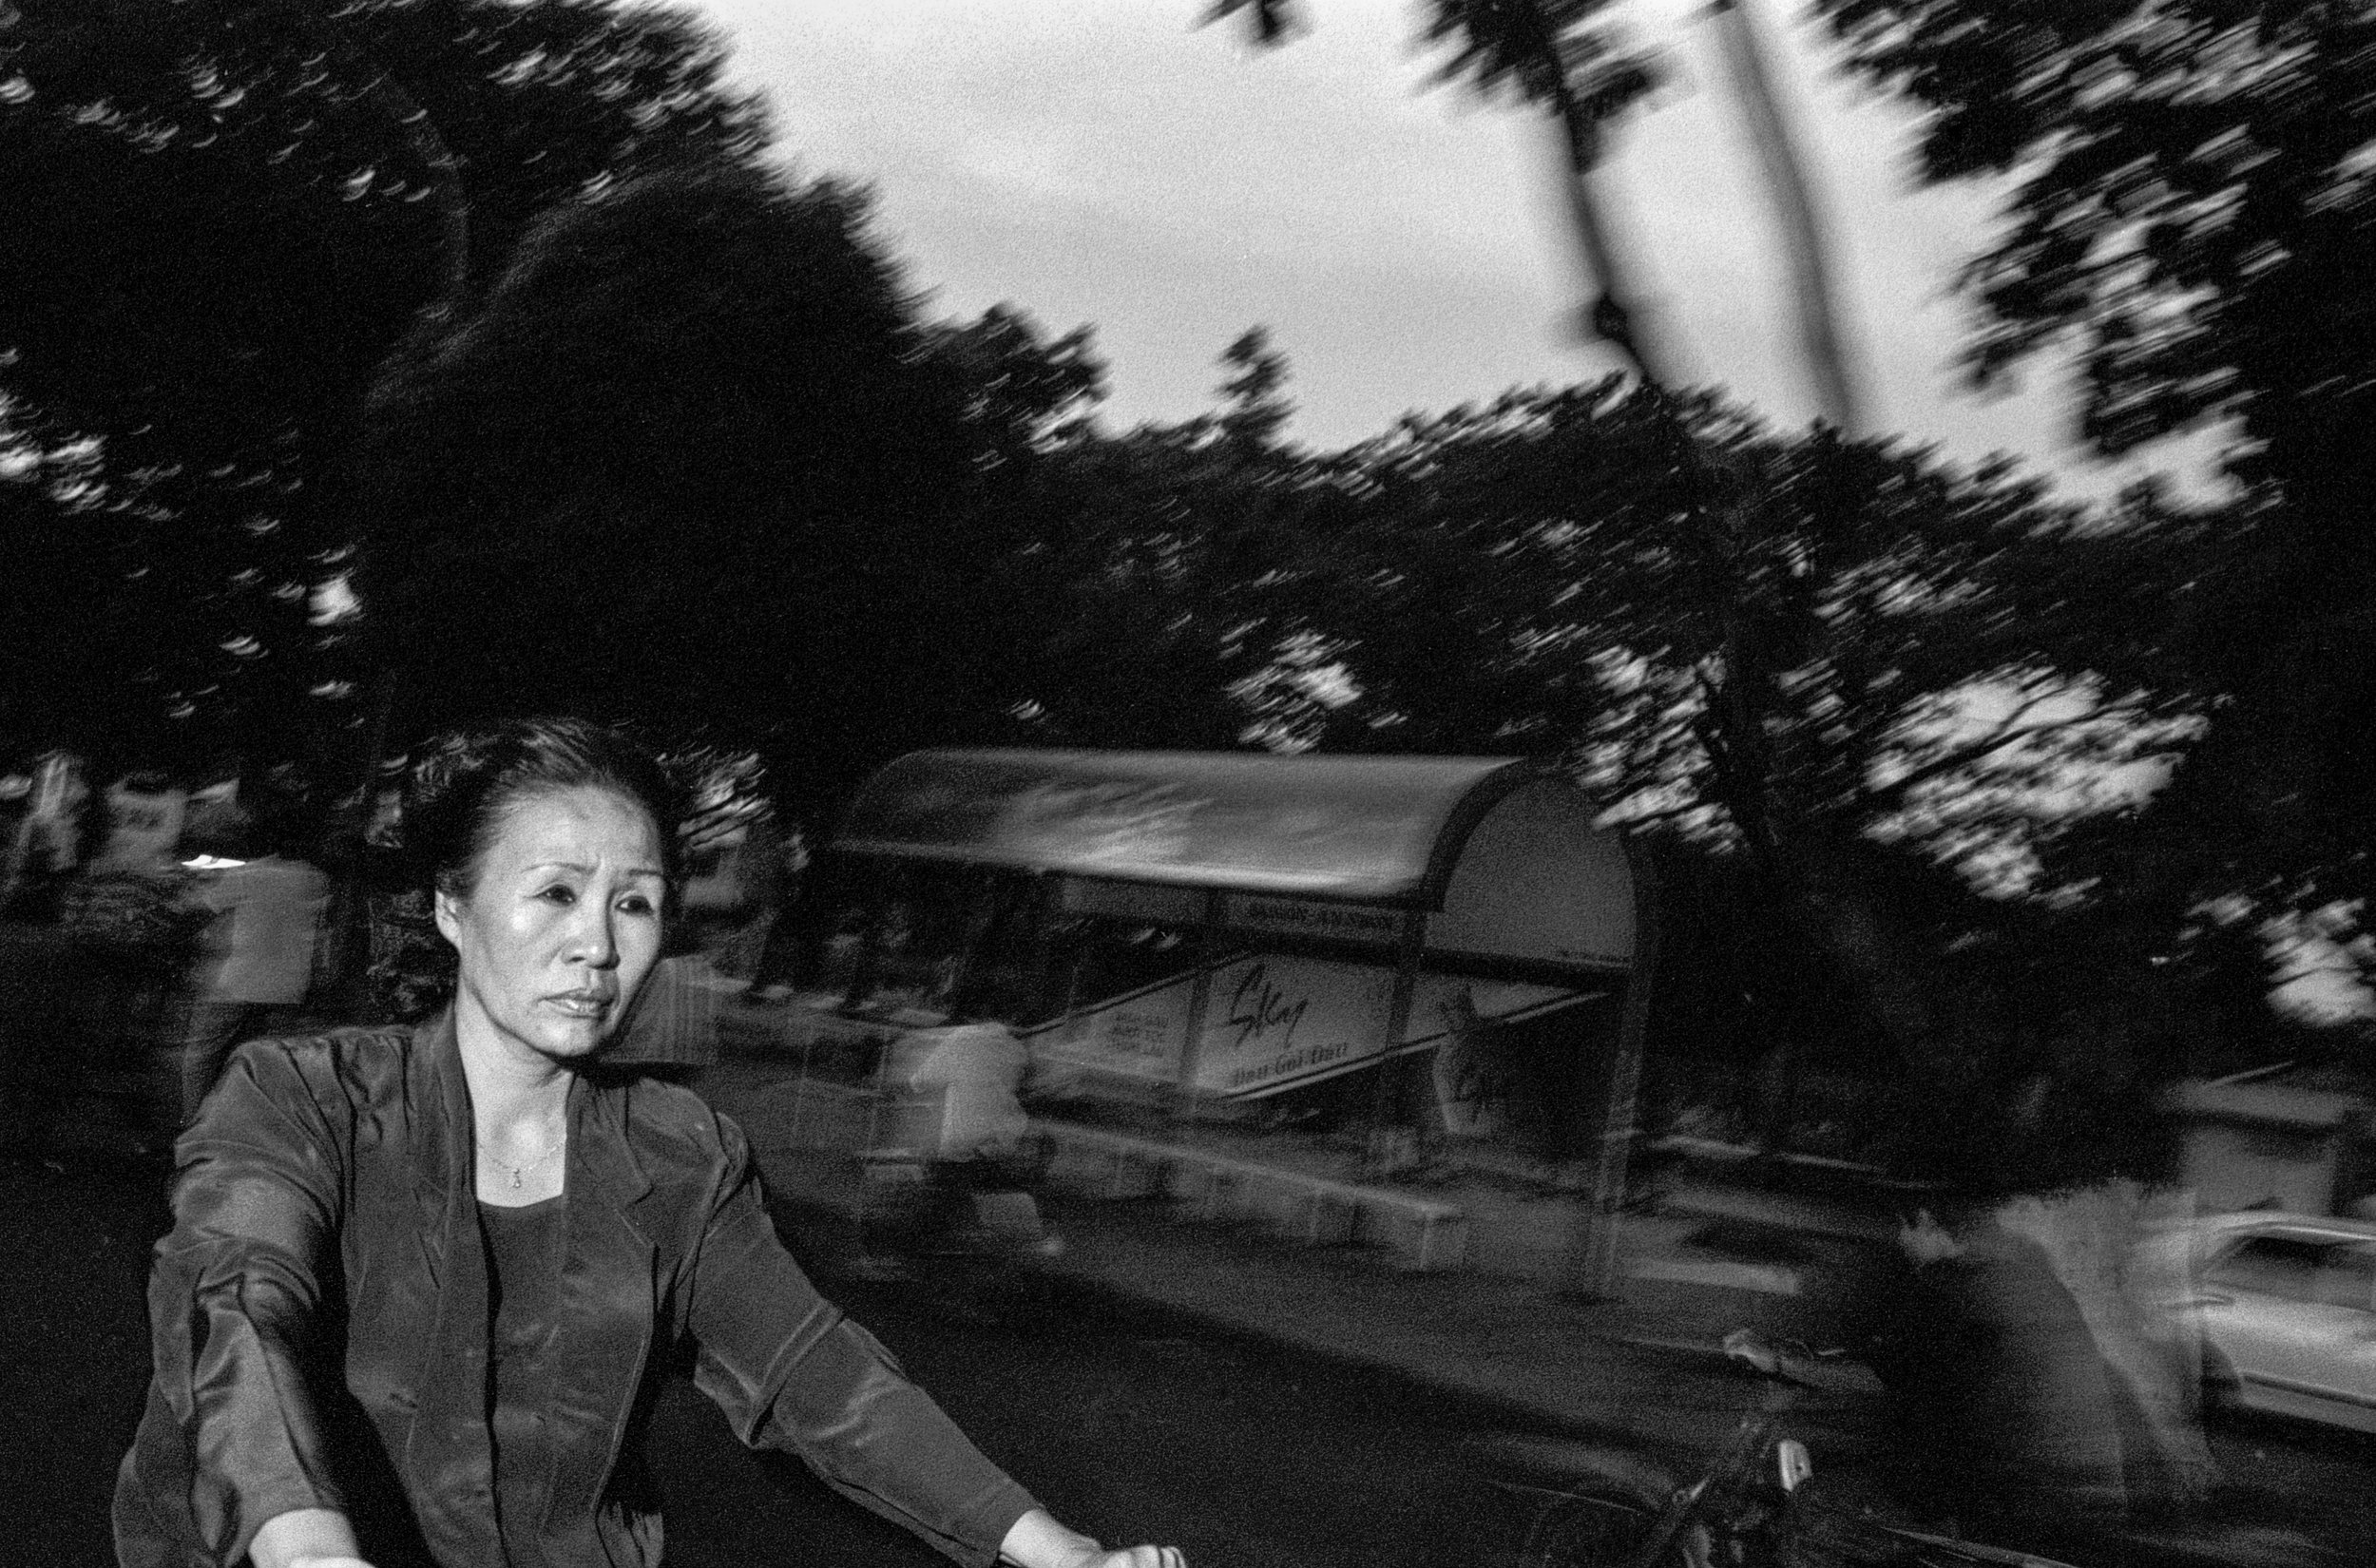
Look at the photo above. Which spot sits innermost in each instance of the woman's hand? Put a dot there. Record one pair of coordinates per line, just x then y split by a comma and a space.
309, 1538
1036, 1540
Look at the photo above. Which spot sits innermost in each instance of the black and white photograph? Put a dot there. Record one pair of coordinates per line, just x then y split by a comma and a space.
1144, 783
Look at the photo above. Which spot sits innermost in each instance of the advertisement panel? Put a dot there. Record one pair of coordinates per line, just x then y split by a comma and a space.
1272, 1023
1466, 1020
1139, 1034
1447, 1004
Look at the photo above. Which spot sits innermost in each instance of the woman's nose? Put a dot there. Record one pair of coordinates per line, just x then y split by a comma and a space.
593, 942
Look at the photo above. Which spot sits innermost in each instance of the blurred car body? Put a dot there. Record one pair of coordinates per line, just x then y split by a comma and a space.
2289, 1313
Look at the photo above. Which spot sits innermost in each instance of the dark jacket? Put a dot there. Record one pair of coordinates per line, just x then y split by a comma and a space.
2005, 1415
320, 1314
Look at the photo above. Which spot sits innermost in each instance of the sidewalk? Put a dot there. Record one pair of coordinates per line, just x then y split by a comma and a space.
1640, 1368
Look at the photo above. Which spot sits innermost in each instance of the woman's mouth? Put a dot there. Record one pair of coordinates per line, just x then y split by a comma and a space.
581, 1004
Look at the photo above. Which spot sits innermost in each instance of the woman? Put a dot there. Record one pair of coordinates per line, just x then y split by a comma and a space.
421, 1281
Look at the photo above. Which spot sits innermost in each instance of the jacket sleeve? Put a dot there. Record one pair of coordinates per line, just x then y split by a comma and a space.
792, 1372
236, 1295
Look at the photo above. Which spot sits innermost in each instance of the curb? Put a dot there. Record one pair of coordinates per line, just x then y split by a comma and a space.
1594, 1362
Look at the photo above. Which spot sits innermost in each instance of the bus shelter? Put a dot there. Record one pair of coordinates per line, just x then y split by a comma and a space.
1301, 920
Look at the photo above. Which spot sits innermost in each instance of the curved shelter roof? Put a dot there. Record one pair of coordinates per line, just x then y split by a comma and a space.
1376, 830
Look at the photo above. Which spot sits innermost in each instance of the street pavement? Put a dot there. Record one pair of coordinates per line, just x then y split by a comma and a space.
77, 1224
1252, 1416
75, 1229
1638, 1367
1505, 1348
1641, 1365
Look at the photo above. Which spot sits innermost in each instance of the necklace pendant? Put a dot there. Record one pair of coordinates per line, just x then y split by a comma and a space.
515, 1181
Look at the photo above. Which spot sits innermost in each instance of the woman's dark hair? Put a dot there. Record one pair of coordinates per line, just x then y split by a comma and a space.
461, 787
464, 784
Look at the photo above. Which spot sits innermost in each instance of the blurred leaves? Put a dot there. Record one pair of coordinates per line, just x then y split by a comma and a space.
242, 209
494, 314
696, 461
2191, 215
1542, 52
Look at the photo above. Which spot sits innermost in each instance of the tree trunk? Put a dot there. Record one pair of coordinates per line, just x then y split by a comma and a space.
1616, 311
1805, 246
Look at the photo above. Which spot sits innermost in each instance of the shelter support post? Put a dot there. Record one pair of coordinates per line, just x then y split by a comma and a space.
1043, 903
1595, 1266
1390, 1150
982, 921
1185, 1097
869, 967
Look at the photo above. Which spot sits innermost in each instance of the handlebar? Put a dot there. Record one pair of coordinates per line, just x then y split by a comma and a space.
1790, 1368
1788, 1360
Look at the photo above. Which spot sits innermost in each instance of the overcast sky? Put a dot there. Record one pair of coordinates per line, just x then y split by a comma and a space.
1108, 161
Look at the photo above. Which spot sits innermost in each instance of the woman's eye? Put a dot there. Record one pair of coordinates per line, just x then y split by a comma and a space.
636, 904
559, 895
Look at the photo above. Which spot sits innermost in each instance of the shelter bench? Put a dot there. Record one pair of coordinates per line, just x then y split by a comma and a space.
1424, 1234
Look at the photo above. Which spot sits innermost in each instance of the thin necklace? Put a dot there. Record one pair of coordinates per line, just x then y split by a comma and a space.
517, 1172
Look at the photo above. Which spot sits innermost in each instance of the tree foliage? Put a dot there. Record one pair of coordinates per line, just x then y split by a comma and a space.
691, 462
1934, 666
2172, 154
244, 205
56, 613
1150, 562
2191, 213
491, 308
2190, 208
1886, 681
1567, 60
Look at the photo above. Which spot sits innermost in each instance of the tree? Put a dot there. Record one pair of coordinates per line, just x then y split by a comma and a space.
2189, 213
1950, 656
1519, 578
1103, 548
1164, 564
245, 203
1567, 59
692, 462
58, 629
1025, 394
1766, 714
1564, 58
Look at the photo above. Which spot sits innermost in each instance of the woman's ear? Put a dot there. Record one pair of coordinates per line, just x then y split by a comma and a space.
448, 912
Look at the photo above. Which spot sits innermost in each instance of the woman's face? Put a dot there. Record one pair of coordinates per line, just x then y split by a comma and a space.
560, 923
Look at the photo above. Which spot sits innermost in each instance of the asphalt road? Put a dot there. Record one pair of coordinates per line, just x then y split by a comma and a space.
1128, 1421
1135, 1424
1121, 1421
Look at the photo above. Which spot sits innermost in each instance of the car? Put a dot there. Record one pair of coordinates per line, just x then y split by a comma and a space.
2288, 1307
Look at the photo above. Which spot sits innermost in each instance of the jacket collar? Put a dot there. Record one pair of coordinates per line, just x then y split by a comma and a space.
440, 1105
602, 1160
